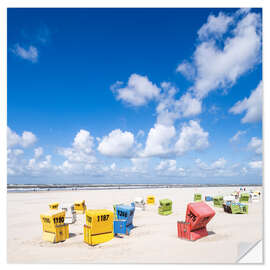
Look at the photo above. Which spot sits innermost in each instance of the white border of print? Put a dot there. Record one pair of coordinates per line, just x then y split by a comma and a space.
4, 4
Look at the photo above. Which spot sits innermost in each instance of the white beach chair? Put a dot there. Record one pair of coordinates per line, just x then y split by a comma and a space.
70, 217
254, 197
229, 198
139, 203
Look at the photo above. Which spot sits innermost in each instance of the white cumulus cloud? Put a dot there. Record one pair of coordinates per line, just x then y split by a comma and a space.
251, 105
186, 69
219, 66
84, 141
216, 26
192, 137
25, 140
188, 105
139, 90
158, 140
117, 144
80, 155
170, 109
37, 166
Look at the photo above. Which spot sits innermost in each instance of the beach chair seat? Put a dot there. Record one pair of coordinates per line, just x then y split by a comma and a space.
120, 227
99, 226
150, 200
123, 218
227, 208
53, 227
218, 201
197, 197
70, 216
198, 215
165, 207
184, 231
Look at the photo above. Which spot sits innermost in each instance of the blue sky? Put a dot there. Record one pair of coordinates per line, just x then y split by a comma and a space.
134, 96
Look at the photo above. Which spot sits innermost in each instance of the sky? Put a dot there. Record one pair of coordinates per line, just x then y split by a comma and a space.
134, 95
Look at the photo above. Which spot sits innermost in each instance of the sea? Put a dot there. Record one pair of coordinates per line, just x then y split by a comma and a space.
63, 187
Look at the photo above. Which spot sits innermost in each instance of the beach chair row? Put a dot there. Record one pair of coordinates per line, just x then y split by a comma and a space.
102, 225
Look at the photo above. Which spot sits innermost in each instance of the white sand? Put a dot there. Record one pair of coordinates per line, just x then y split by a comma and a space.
153, 240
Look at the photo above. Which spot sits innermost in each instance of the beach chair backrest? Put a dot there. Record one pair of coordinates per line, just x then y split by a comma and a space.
69, 208
244, 197
197, 197
100, 221
54, 206
150, 200
125, 212
199, 214
79, 205
165, 204
139, 200
218, 201
52, 219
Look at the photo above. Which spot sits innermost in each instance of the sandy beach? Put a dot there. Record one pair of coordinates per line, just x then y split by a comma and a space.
153, 240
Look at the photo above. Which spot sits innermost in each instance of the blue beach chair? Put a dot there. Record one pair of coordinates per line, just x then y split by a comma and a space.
208, 198
123, 219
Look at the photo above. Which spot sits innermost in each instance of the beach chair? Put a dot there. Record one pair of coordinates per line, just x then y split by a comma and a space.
165, 207
198, 215
244, 198
99, 226
53, 206
235, 208
208, 198
197, 197
150, 200
254, 197
79, 207
70, 214
53, 226
123, 219
218, 201
139, 203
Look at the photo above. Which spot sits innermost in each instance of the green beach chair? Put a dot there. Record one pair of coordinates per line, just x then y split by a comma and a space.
238, 208
165, 207
235, 208
244, 198
218, 201
197, 197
